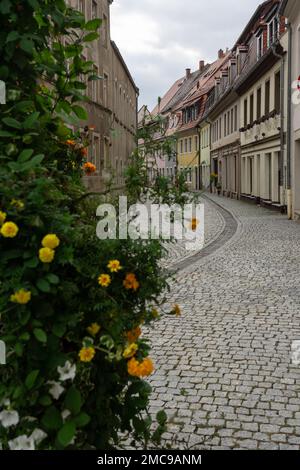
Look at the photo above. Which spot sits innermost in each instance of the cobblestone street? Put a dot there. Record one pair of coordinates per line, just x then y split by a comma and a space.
224, 373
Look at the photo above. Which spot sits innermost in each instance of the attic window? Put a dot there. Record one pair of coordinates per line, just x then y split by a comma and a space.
272, 31
260, 46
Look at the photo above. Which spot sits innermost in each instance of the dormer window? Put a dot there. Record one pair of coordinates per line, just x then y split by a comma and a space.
260, 46
272, 31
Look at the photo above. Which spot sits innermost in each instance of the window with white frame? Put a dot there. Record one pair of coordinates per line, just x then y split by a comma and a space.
272, 30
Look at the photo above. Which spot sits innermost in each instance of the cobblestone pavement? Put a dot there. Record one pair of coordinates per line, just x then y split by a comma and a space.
214, 226
224, 373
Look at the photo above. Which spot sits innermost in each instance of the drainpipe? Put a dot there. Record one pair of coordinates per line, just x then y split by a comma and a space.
289, 123
282, 112
199, 159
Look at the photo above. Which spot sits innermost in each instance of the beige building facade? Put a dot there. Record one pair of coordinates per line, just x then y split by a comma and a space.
291, 9
112, 109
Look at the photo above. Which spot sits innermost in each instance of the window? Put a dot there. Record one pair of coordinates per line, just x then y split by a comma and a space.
95, 86
181, 146
190, 144
277, 92
251, 108
196, 143
267, 97
94, 9
228, 123
220, 128
217, 130
105, 90
260, 46
231, 128
225, 125
185, 145
245, 112
235, 118
272, 31
80, 6
258, 103
104, 30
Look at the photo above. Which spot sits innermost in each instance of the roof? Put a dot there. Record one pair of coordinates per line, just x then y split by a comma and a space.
205, 82
120, 57
261, 11
165, 100
283, 6
187, 84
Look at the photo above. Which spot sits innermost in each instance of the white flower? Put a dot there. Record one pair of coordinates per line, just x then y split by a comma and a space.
65, 414
68, 371
56, 389
38, 436
21, 443
9, 418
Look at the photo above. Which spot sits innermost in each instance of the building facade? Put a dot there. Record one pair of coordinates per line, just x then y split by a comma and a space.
112, 106
291, 9
260, 87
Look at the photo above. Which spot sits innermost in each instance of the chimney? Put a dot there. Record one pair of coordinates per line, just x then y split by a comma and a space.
221, 54
201, 65
187, 73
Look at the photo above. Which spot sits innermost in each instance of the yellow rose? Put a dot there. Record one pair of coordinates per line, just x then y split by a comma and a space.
46, 255
21, 297
130, 350
93, 329
86, 354
2, 217
51, 241
9, 230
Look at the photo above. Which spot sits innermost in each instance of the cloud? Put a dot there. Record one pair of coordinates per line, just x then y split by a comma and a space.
159, 39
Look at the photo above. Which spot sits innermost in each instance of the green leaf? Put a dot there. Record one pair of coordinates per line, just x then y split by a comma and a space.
11, 122
161, 417
27, 45
6, 134
91, 37
31, 378
31, 120
93, 25
12, 36
32, 263
45, 400
82, 420
40, 335
52, 419
66, 433
19, 348
73, 400
59, 330
43, 285
53, 279
25, 155
80, 112
25, 336
5, 6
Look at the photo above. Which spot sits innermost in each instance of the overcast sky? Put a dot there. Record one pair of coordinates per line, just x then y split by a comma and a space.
159, 39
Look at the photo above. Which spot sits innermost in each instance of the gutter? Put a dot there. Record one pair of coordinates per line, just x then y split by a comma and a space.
282, 112
289, 123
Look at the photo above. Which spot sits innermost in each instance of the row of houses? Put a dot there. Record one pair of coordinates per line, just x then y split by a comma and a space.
236, 121
113, 102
